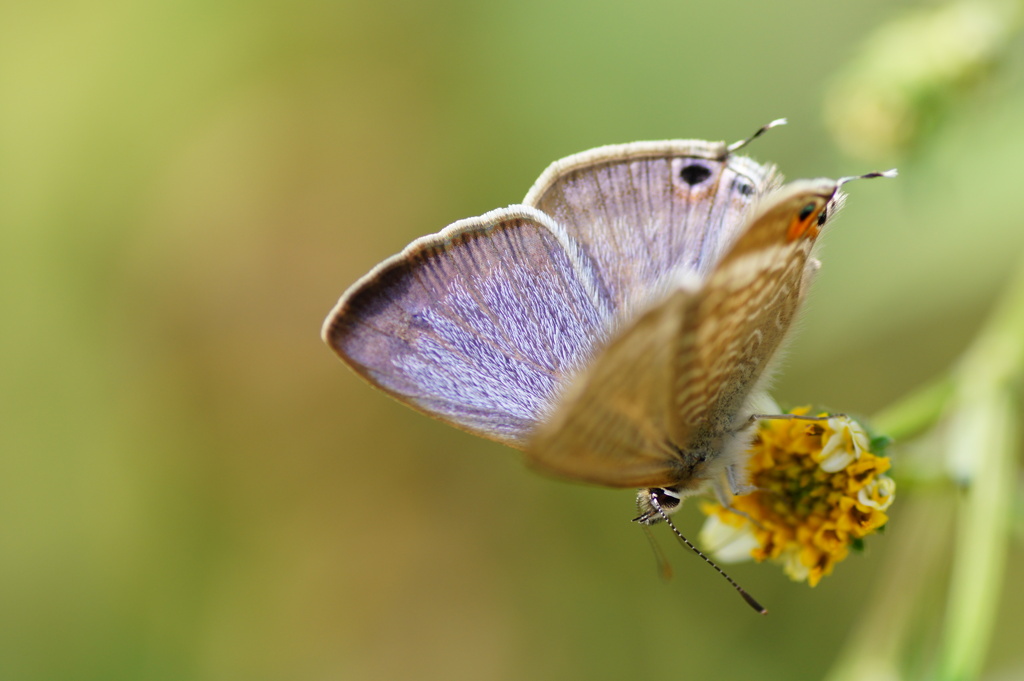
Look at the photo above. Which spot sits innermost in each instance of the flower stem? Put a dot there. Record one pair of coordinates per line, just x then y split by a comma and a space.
916, 413
983, 534
984, 442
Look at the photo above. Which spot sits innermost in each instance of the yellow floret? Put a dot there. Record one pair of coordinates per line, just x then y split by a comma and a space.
818, 490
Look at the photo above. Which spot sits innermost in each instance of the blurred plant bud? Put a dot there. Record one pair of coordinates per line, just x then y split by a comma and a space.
912, 70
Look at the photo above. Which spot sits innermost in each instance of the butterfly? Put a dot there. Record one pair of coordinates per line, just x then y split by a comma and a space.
618, 325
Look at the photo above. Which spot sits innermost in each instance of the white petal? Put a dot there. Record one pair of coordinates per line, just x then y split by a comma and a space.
847, 442
728, 544
793, 567
836, 461
883, 486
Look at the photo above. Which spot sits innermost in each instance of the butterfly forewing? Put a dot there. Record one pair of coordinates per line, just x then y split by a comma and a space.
477, 325
641, 211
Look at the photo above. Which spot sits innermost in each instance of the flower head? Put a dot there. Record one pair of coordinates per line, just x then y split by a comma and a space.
818, 491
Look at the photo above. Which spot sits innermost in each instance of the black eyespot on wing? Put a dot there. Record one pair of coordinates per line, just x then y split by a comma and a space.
694, 173
806, 211
822, 216
743, 187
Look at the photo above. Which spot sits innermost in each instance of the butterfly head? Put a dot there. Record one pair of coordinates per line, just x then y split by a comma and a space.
813, 202
657, 503
806, 205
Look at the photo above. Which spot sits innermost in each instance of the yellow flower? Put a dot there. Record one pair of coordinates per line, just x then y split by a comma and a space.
819, 491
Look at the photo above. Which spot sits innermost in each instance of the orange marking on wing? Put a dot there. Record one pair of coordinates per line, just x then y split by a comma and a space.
803, 228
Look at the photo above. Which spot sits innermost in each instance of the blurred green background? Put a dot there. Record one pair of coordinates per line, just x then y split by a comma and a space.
192, 485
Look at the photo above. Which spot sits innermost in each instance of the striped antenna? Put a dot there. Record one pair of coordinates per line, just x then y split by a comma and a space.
736, 146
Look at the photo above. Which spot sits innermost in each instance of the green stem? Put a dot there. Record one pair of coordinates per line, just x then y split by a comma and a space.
916, 413
989, 429
984, 442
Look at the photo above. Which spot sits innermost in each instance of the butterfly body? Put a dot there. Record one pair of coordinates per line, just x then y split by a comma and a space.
618, 326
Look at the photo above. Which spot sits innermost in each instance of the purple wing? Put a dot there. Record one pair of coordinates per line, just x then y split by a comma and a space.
477, 325
644, 210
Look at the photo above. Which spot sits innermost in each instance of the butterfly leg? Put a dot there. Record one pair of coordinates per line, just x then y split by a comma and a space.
737, 485
754, 418
737, 488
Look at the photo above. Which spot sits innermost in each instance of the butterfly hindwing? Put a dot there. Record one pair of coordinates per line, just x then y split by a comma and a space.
747, 307
644, 210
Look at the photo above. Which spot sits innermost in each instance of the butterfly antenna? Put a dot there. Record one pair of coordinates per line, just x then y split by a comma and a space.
892, 172
747, 597
736, 146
